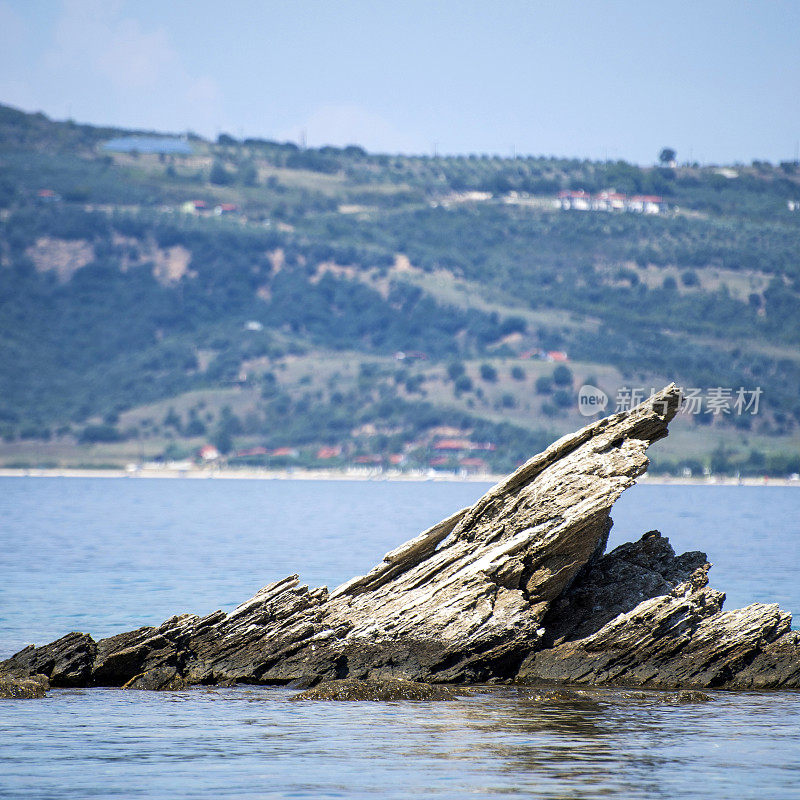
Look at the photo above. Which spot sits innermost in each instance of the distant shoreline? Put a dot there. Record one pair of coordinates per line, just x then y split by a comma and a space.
355, 475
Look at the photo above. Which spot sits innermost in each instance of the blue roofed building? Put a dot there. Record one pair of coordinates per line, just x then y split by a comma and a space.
166, 145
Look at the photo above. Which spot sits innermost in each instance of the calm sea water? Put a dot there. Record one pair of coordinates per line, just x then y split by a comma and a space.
104, 555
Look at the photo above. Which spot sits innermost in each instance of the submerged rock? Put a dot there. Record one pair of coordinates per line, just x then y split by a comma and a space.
688, 697
597, 696
387, 690
562, 697
515, 585
159, 679
23, 686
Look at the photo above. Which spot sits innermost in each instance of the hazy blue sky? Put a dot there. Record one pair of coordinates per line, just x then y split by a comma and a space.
719, 80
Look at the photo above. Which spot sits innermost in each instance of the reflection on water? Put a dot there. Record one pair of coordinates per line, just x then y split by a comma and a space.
251, 742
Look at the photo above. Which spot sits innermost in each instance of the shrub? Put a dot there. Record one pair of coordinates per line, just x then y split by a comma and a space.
562, 398
562, 376
463, 384
455, 369
93, 434
488, 373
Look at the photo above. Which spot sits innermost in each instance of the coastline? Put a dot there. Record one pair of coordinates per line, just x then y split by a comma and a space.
352, 475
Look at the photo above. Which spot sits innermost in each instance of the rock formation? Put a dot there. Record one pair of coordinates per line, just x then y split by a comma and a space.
513, 586
384, 690
642, 616
21, 686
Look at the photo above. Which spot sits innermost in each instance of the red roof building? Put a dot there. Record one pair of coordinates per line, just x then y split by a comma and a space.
284, 451
253, 451
453, 444
368, 460
329, 452
208, 452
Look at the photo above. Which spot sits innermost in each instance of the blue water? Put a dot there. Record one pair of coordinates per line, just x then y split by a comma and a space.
104, 555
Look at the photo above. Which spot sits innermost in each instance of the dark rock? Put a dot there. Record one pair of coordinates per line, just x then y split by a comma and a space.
617, 583
680, 639
159, 679
688, 697
561, 697
66, 662
23, 687
388, 690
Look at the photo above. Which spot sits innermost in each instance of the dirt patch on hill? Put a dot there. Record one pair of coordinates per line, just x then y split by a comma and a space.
170, 264
63, 256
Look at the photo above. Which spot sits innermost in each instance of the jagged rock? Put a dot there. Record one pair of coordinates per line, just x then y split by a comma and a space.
517, 577
616, 583
158, 679
21, 686
682, 638
66, 661
777, 665
387, 690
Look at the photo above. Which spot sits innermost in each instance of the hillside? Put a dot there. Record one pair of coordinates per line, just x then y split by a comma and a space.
332, 307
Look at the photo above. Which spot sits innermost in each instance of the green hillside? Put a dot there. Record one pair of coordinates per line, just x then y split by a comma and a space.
345, 308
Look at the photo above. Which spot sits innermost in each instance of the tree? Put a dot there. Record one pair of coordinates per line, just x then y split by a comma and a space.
667, 155
172, 420
488, 373
508, 401
562, 398
562, 376
463, 383
219, 175
690, 278
455, 369
248, 174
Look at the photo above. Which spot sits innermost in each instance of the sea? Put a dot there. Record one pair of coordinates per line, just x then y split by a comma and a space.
105, 555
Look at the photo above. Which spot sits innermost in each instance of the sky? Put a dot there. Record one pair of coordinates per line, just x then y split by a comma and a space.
717, 80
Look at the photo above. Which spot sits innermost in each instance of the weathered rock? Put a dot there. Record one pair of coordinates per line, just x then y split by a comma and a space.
21, 686
66, 662
562, 697
682, 638
615, 584
517, 577
158, 679
386, 690
594, 697
680, 698
465, 600
776, 665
